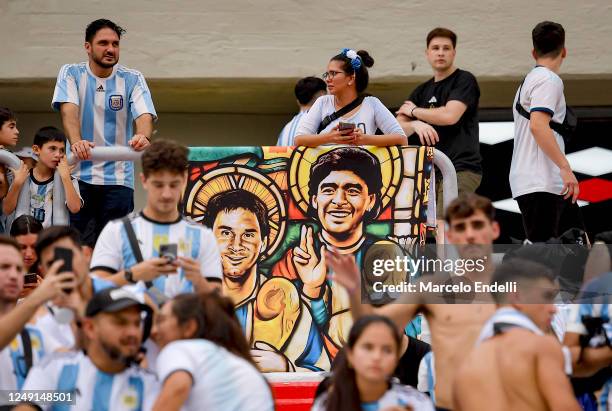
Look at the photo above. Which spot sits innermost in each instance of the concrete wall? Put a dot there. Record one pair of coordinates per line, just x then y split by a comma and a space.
222, 73
279, 39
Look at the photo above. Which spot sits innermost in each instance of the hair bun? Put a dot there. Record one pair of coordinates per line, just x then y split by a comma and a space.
366, 58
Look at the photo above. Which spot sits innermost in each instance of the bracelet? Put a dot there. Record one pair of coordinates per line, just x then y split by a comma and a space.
412, 112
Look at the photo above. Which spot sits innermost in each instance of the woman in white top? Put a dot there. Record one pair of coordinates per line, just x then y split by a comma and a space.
205, 362
347, 78
362, 372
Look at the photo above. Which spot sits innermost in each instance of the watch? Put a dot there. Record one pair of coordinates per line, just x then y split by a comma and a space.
129, 276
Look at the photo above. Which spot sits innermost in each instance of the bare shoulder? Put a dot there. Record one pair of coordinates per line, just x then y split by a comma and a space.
550, 346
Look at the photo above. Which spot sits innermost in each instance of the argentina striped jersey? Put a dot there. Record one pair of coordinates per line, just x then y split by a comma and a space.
287, 135
133, 389
113, 251
107, 106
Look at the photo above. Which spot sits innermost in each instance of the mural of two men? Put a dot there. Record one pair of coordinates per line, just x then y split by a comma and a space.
294, 317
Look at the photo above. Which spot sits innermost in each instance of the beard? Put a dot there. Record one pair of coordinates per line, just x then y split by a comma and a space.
102, 63
115, 354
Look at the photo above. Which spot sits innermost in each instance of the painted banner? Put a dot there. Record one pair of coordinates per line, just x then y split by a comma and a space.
274, 210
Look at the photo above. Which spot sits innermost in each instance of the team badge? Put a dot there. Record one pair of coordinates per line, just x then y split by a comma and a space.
115, 102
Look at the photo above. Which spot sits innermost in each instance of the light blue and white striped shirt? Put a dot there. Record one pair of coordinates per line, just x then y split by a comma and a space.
108, 108
113, 251
287, 135
13, 369
133, 389
41, 199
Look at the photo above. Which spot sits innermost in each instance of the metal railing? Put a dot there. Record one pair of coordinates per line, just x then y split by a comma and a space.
60, 212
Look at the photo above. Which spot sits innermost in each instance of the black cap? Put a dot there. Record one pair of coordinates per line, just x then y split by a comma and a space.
111, 300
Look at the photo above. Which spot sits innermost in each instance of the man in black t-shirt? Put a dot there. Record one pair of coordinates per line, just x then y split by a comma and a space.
443, 112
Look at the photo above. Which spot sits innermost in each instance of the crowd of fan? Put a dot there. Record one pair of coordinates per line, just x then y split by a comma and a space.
98, 310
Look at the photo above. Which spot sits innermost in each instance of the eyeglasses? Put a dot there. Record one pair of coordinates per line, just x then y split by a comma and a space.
331, 74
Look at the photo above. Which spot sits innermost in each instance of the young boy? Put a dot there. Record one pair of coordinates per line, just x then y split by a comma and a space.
50, 147
9, 136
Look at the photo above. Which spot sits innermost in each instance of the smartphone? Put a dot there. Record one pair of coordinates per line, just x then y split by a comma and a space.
30, 279
64, 254
169, 252
346, 126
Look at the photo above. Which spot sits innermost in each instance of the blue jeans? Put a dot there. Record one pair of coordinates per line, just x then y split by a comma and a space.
101, 204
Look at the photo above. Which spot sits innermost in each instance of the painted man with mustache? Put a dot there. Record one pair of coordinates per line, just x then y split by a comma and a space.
344, 188
276, 323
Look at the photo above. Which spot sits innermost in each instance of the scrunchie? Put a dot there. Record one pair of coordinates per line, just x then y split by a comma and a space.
353, 56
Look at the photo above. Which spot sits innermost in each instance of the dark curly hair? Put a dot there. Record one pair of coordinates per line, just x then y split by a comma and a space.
97, 25
165, 155
234, 199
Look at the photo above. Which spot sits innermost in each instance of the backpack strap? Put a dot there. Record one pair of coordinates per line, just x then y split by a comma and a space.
131, 235
337, 114
27, 349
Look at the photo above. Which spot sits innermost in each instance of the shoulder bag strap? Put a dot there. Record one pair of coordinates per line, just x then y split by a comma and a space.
129, 229
335, 115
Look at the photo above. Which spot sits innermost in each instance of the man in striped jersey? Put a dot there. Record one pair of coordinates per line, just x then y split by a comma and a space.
159, 226
307, 91
106, 378
100, 101
21, 344
590, 324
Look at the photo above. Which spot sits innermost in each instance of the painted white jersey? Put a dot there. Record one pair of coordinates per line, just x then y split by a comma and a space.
531, 170
287, 135
397, 395
372, 115
13, 369
221, 380
41, 199
108, 107
113, 251
73, 372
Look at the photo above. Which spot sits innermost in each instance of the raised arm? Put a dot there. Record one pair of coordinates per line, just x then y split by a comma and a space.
345, 271
12, 196
73, 200
14, 321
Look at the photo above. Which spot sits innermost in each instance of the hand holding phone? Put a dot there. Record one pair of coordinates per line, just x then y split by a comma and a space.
169, 252
64, 254
346, 128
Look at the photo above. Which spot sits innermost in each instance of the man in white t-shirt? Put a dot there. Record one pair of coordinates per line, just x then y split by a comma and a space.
541, 179
106, 378
178, 255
